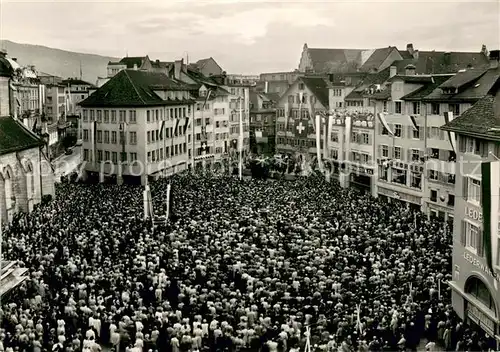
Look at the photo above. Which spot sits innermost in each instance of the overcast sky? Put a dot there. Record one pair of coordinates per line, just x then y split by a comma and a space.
248, 36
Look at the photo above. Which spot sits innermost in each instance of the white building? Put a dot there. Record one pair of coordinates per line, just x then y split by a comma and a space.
137, 124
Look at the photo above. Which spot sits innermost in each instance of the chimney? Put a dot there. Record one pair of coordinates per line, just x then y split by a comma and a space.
177, 68
266, 87
409, 49
330, 77
494, 58
135, 67
393, 71
484, 50
410, 70
157, 61
415, 54
14, 59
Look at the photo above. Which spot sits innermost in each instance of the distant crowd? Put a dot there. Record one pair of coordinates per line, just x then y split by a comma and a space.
246, 265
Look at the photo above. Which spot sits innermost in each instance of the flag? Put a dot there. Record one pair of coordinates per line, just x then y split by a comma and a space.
328, 125
383, 121
318, 141
176, 126
93, 132
301, 97
301, 128
286, 116
414, 122
448, 117
162, 128
258, 134
490, 179
313, 117
348, 127
168, 201
186, 124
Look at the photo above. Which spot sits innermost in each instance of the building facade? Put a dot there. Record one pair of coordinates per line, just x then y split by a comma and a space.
137, 126
262, 124
475, 285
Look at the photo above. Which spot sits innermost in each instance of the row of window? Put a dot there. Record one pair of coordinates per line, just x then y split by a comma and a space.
450, 200
130, 116
305, 99
299, 142
414, 108
153, 156
364, 158
236, 129
443, 177
104, 137
400, 177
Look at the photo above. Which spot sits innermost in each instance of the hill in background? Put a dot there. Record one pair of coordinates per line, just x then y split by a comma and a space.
58, 62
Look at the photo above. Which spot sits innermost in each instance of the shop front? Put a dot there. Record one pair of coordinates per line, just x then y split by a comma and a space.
475, 294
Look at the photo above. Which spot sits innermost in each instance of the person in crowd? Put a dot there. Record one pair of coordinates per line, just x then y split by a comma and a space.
242, 265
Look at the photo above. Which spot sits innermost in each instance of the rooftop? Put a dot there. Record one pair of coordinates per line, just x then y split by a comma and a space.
426, 89
15, 137
334, 60
135, 88
481, 120
319, 87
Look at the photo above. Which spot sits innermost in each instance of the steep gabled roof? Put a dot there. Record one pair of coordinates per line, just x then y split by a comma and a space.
481, 120
474, 89
319, 87
376, 59
334, 60
15, 137
76, 81
438, 62
427, 89
134, 88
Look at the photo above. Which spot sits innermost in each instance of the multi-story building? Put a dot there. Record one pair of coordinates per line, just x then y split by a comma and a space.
276, 82
416, 163
295, 131
25, 173
250, 80
263, 123
207, 67
476, 255
78, 91
137, 125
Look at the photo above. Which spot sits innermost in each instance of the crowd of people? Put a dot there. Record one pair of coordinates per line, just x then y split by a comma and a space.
242, 266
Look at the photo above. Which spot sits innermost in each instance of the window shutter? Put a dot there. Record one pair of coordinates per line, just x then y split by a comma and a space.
379, 151
421, 153
408, 155
480, 244
463, 233
392, 152
428, 132
484, 148
465, 188
421, 133
462, 144
403, 132
409, 131
441, 135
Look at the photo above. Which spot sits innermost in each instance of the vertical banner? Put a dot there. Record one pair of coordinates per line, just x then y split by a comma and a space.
168, 201
318, 142
448, 117
490, 180
286, 116
328, 117
348, 125
240, 142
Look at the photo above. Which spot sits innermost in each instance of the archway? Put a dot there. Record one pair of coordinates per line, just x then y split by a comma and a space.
475, 287
8, 201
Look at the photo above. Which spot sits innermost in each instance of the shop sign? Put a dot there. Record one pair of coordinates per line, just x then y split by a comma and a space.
481, 319
361, 169
477, 263
473, 214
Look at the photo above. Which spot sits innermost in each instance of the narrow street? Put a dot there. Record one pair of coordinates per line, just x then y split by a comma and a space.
65, 164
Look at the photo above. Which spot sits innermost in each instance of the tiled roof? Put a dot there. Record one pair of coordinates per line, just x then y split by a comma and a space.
479, 120
273, 96
131, 61
405, 54
413, 79
424, 91
134, 88
462, 78
436, 62
15, 137
334, 60
111, 63
355, 94
473, 90
378, 77
161, 64
376, 59
383, 94
319, 87
75, 81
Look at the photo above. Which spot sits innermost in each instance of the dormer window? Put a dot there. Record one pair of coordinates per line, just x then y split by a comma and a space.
203, 93
449, 90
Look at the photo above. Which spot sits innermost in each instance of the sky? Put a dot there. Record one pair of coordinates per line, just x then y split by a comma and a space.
248, 37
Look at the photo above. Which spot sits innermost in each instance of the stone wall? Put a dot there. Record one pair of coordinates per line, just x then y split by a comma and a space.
27, 179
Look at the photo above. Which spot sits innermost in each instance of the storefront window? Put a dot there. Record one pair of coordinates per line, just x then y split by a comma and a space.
480, 291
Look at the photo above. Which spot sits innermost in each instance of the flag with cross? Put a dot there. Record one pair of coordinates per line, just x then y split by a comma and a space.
301, 128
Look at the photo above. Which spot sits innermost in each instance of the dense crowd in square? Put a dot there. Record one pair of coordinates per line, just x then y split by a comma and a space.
241, 266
